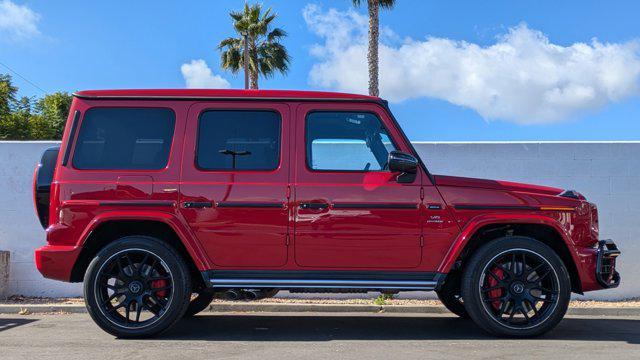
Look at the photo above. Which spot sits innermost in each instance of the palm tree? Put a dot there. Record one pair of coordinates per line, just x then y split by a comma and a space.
374, 26
257, 48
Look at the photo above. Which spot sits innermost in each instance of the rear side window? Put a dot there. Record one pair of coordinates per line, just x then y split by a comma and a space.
124, 138
238, 140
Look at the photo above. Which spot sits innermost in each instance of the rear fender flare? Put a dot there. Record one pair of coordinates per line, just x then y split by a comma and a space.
184, 233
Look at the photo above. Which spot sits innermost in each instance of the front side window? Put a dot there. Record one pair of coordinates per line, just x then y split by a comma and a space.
347, 141
124, 139
238, 140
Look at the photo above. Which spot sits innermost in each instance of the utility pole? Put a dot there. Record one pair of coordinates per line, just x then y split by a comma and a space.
246, 61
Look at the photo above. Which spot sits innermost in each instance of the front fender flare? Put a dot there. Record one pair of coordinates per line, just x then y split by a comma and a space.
480, 221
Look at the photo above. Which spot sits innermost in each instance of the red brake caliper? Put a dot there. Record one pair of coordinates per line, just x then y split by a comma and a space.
159, 284
499, 273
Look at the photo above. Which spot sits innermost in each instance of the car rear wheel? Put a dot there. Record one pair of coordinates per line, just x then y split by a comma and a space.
516, 287
451, 296
136, 287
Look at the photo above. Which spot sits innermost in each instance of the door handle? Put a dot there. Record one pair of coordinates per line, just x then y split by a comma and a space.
197, 204
313, 206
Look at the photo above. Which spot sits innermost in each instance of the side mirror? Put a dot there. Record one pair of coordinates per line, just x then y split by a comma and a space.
405, 164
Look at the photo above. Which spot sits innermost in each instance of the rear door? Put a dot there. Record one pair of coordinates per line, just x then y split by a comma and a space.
350, 212
234, 188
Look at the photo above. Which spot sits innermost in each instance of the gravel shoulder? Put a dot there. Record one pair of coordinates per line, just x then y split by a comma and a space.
583, 304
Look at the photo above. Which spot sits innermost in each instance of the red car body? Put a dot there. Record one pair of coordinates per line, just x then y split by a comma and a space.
364, 222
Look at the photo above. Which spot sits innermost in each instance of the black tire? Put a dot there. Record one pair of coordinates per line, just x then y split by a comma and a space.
451, 296
199, 302
137, 274
518, 278
269, 293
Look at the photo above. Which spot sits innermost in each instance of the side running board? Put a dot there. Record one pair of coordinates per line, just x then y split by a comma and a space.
323, 280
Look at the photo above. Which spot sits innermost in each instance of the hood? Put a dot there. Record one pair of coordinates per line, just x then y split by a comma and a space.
456, 181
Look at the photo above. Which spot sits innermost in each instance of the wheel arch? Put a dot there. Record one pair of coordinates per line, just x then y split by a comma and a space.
546, 231
108, 228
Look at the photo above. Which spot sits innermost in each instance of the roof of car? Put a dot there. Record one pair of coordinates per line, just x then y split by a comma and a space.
219, 94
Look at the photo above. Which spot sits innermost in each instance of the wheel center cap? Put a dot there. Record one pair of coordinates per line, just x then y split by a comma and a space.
135, 287
517, 288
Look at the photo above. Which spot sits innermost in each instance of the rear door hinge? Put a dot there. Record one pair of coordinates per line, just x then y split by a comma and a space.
287, 240
421, 240
421, 193
288, 191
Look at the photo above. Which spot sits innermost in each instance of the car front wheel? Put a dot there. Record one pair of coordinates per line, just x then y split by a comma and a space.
516, 287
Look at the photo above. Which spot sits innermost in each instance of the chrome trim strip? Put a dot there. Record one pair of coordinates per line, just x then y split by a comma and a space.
301, 283
240, 204
495, 207
148, 203
424, 288
398, 206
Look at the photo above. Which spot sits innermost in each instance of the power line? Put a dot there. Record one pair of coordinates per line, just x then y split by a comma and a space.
23, 78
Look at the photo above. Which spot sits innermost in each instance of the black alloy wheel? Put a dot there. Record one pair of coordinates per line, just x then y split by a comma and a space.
519, 288
137, 287
516, 286
134, 288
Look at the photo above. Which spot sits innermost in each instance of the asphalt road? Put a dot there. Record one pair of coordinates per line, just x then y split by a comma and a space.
316, 336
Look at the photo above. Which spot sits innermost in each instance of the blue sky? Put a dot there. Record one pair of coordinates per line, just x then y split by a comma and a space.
521, 73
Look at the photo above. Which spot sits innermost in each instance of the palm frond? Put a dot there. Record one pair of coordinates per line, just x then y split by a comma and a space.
276, 34
236, 15
273, 57
254, 13
230, 42
386, 4
267, 19
267, 14
232, 60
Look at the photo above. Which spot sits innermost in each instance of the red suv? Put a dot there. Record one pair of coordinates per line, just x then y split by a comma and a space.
161, 200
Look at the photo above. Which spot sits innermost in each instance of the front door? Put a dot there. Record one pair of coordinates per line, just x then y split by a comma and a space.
350, 212
234, 188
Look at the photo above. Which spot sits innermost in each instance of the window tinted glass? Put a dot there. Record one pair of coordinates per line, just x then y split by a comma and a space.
240, 140
124, 138
347, 141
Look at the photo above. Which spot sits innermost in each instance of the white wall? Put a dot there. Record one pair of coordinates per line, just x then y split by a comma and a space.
20, 230
607, 173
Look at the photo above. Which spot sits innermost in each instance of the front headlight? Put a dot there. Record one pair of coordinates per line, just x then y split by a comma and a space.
595, 225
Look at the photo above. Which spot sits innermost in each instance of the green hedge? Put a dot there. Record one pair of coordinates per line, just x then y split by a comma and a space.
31, 118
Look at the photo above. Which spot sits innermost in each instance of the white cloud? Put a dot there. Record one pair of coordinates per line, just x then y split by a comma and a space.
197, 74
522, 77
19, 22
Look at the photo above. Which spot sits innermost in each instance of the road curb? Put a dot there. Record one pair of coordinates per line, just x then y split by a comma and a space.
40, 308
227, 307
621, 311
